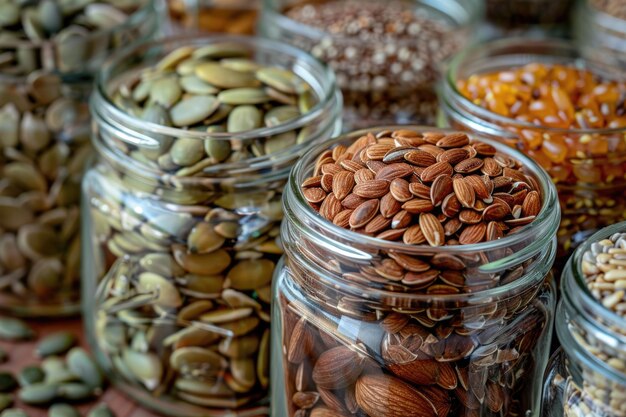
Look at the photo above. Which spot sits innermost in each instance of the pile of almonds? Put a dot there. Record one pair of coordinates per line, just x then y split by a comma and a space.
434, 188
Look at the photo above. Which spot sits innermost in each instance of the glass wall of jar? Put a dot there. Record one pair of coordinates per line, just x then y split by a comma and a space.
588, 163
218, 16
536, 17
49, 52
587, 377
387, 55
373, 327
181, 223
600, 30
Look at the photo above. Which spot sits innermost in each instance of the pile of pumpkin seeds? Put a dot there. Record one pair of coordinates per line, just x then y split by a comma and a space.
217, 88
63, 374
184, 269
63, 31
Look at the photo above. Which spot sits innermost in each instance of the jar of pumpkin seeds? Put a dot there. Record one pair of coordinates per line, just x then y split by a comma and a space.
49, 51
195, 139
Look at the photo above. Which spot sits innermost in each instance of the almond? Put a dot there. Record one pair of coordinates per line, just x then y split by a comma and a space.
453, 156
393, 171
330, 207
491, 167
441, 187
468, 216
363, 175
431, 149
364, 213
453, 140
452, 226
375, 166
305, 399
399, 189
337, 368
496, 211
432, 229
413, 235
418, 206
440, 399
409, 263
378, 151
377, 224
381, 395
439, 168
351, 166
314, 194
314, 181
419, 280
389, 206
300, 342
468, 165
394, 322
494, 232
352, 201
397, 154
327, 182
401, 220
343, 182
464, 192
484, 149
450, 205
532, 204
480, 188
322, 411
331, 168
371, 189
474, 233
420, 190
420, 158
342, 219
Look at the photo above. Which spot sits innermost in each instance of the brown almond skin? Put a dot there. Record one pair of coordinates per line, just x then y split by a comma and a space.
343, 182
440, 168
372, 189
364, 213
337, 368
381, 395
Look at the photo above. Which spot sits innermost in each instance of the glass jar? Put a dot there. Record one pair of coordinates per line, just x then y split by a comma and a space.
44, 145
384, 78
587, 376
588, 166
541, 17
600, 30
477, 349
218, 16
177, 265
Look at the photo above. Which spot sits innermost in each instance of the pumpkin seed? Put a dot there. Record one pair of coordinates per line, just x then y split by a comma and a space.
30, 375
146, 367
13, 412
243, 118
38, 393
101, 410
237, 96
74, 391
55, 344
15, 329
193, 110
279, 79
62, 410
194, 85
82, 365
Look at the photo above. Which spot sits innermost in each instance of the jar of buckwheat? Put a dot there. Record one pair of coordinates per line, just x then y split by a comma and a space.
195, 138
587, 376
416, 278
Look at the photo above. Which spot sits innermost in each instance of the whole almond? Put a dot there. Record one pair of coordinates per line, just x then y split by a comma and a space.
331, 168
491, 167
314, 181
420, 280
453, 140
378, 151
496, 211
337, 368
393, 171
484, 149
364, 213
381, 395
343, 182
431, 149
420, 158
450, 205
327, 182
375, 166
342, 219
464, 192
468, 165
377, 224
441, 187
401, 220
532, 204
494, 231
420, 190
350, 165
352, 201
330, 207
413, 235
480, 188
322, 411
452, 226
305, 399
314, 194
418, 205
453, 156
399, 189
409, 263
363, 175
300, 342
371, 189
389, 206
397, 154
469, 216
432, 229
474, 233
439, 168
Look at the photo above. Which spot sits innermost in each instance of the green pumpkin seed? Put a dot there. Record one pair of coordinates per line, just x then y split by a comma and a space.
202, 286
9, 125
101, 410
187, 151
145, 367
165, 91
55, 344
217, 149
175, 57
9, 14
13, 412
74, 391
244, 118
306, 101
104, 16
82, 365
7, 382
6, 401
62, 410
237, 96
279, 115
222, 111
32, 25
240, 64
263, 362
239, 347
279, 79
15, 329
30, 375
222, 77
193, 110
38, 393
25, 176
194, 85
38, 241
42, 85
280, 142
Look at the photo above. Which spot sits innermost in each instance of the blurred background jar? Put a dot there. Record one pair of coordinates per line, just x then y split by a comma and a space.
182, 211
530, 17
499, 89
220, 16
387, 55
349, 337
600, 30
49, 52
587, 376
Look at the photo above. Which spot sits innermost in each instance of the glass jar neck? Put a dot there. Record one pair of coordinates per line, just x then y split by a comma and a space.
326, 251
584, 321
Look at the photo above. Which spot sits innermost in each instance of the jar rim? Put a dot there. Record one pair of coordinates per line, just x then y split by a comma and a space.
459, 60
102, 98
457, 11
607, 20
299, 214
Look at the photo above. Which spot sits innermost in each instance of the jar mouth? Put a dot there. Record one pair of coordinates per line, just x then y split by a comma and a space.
461, 14
539, 233
521, 51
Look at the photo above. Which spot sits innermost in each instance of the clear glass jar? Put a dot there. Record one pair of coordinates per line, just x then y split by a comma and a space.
388, 80
587, 376
44, 145
590, 175
218, 16
177, 267
541, 17
476, 351
600, 30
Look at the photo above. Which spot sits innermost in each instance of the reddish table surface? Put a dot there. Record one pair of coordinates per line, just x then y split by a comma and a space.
22, 354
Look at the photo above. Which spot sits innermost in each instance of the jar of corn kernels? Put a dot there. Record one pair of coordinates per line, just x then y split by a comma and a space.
566, 112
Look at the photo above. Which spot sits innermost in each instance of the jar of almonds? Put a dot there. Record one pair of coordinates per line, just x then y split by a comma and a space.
600, 30
388, 55
195, 138
49, 51
587, 376
416, 279
565, 112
